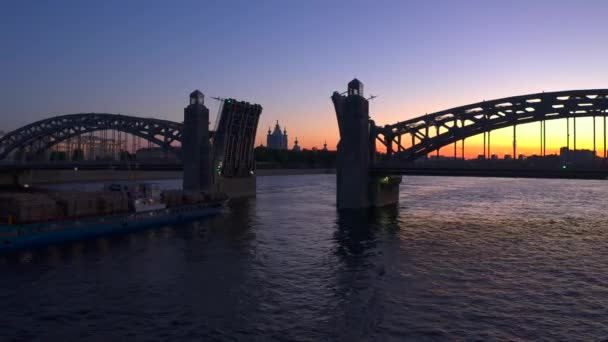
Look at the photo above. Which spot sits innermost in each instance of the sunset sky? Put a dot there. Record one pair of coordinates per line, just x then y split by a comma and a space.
144, 57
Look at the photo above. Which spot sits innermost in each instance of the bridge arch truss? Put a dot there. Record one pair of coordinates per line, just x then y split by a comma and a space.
430, 132
42, 135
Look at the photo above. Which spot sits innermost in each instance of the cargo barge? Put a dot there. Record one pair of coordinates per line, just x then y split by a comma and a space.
39, 220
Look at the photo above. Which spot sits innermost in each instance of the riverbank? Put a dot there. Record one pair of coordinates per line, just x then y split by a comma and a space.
42, 177
293, 172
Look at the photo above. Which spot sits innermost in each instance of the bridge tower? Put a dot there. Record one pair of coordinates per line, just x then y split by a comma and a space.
356, 188
196, 149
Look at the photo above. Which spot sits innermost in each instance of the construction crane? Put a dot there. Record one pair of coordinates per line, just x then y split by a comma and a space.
369, 98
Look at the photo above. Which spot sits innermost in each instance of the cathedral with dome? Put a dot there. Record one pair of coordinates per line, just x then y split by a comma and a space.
296, 147
276, 139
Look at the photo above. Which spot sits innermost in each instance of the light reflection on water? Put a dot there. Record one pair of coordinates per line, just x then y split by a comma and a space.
459, 258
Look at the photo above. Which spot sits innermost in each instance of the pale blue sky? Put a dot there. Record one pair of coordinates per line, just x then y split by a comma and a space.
144, 57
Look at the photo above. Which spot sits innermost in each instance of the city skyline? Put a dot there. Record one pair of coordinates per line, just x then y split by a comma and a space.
419, 58
170, 170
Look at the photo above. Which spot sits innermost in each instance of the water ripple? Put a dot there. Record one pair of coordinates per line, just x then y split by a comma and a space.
458, 259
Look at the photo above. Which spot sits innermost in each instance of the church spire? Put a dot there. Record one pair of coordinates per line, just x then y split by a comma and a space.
277, 137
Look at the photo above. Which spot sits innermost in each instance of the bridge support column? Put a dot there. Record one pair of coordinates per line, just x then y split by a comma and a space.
356, 188
196, 152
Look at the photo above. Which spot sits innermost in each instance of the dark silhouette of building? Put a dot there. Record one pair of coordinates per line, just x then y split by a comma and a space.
156, 154
325, 146
576, 157
296, 147
277, 139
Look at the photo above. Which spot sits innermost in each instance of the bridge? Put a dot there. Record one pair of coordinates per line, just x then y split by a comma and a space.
40, 136
221, 159
363, 180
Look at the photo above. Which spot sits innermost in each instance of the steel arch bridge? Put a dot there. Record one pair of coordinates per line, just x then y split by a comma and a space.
429, 133
41, 135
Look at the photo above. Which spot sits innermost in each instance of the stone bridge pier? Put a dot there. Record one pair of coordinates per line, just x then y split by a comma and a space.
196, 150
356, 187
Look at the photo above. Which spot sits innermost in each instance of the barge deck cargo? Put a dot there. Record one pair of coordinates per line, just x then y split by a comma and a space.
38, 220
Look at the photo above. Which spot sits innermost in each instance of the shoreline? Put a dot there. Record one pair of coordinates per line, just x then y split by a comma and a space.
293, 172
42, 178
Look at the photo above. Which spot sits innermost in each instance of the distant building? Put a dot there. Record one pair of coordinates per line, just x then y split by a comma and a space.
296, 147
276, 139
155, 154
325, 146
90, 147
579, 157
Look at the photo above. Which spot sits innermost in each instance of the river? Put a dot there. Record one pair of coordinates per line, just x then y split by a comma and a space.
459, 258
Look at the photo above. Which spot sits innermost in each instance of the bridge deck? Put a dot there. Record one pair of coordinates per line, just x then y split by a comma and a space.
574, 173
5, 167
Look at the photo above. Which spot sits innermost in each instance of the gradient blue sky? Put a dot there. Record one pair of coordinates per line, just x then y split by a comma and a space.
144, 57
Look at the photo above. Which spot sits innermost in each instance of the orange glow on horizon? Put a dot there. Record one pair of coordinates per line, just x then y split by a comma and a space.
501, 141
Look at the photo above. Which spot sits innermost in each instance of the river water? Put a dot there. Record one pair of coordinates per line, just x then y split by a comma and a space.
459, 258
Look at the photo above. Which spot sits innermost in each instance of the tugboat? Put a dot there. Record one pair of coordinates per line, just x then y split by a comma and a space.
34, 220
